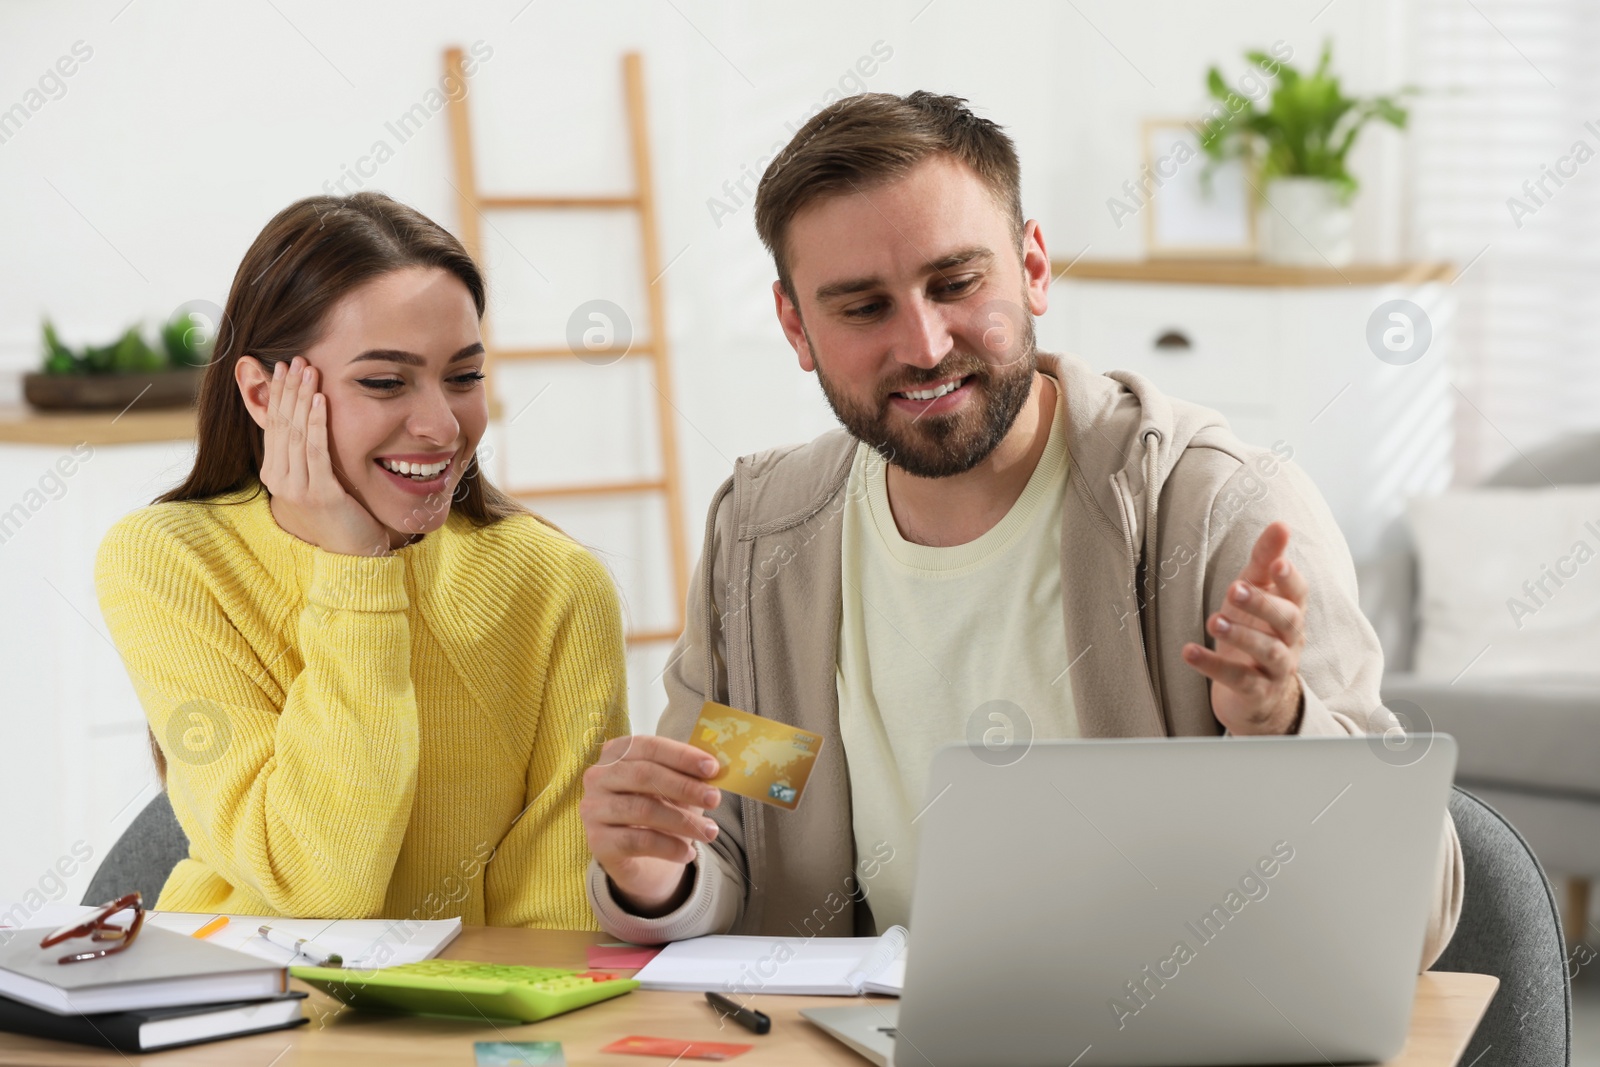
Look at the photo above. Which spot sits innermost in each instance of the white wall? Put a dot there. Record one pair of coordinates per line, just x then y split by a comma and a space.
141, 185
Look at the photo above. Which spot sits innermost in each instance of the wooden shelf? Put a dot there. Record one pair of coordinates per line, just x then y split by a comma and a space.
1250, 272
21, 425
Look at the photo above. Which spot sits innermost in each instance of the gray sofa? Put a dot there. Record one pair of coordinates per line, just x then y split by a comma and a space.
1530, 748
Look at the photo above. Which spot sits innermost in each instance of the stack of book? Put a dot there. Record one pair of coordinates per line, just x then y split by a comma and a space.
164, 990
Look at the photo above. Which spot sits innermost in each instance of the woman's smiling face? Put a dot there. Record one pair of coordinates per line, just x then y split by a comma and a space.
400, 362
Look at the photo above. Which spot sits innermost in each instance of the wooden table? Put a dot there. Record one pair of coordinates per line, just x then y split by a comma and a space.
1447, 1008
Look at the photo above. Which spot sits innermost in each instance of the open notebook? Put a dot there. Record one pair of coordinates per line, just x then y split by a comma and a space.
363, 943
807, 966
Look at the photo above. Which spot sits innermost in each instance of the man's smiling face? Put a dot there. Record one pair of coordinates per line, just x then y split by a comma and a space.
916, 314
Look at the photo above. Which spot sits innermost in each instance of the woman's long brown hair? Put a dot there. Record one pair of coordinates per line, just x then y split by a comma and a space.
312, 253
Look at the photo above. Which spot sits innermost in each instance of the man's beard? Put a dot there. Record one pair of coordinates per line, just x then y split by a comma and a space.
939, 446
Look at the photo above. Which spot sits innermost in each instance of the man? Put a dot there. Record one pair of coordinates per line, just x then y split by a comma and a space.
999, 543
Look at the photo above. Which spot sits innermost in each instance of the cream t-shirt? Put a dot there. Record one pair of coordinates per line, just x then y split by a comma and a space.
939, 645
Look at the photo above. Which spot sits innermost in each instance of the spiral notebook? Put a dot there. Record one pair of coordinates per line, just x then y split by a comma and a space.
803, 966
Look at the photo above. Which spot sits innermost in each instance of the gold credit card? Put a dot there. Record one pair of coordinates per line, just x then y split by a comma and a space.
761, 759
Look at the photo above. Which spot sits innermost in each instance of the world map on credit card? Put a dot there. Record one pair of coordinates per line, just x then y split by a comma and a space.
760, 759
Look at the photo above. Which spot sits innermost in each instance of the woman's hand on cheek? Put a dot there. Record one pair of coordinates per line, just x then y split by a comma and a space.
307, 498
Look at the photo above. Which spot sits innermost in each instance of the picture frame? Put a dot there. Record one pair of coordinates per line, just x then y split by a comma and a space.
1186, 216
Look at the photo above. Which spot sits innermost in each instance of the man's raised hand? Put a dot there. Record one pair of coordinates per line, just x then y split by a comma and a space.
1259, 634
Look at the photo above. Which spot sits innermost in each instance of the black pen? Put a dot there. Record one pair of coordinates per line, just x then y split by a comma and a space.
748, 1018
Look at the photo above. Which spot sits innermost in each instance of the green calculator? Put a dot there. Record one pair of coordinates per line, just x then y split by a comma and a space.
463, 990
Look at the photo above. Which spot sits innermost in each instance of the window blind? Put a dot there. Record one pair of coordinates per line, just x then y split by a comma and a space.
1505, 182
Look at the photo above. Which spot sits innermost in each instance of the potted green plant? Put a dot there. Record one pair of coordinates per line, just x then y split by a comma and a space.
1297, 147
110, 376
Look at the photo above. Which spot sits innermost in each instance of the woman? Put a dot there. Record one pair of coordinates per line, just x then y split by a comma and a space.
373, 681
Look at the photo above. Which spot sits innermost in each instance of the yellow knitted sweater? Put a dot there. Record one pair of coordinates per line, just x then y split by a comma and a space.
400, 736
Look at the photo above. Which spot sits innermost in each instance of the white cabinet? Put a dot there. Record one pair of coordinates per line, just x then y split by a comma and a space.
1284, 355
74, 766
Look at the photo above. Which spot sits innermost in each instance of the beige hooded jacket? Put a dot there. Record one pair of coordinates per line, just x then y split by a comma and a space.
763, 626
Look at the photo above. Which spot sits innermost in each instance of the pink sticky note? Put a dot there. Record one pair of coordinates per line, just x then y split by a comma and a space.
621, 956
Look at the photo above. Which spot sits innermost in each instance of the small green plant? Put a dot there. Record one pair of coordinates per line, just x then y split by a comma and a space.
184, 345
1307, 128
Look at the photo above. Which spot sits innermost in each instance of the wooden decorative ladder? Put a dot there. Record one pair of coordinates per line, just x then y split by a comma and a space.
642, 202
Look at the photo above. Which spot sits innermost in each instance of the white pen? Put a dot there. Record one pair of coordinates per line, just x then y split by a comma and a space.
302, 947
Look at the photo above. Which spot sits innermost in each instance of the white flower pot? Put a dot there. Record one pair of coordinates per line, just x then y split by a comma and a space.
1304, 224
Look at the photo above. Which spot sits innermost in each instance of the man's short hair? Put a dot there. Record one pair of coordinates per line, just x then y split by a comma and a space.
871, 138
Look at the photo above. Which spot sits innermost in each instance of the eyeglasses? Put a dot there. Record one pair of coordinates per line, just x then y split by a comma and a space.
100, 927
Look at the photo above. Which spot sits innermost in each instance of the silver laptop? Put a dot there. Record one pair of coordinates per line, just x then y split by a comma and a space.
1179, 901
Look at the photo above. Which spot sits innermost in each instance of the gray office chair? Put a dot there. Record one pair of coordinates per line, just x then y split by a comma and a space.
1511, 928
142, 857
